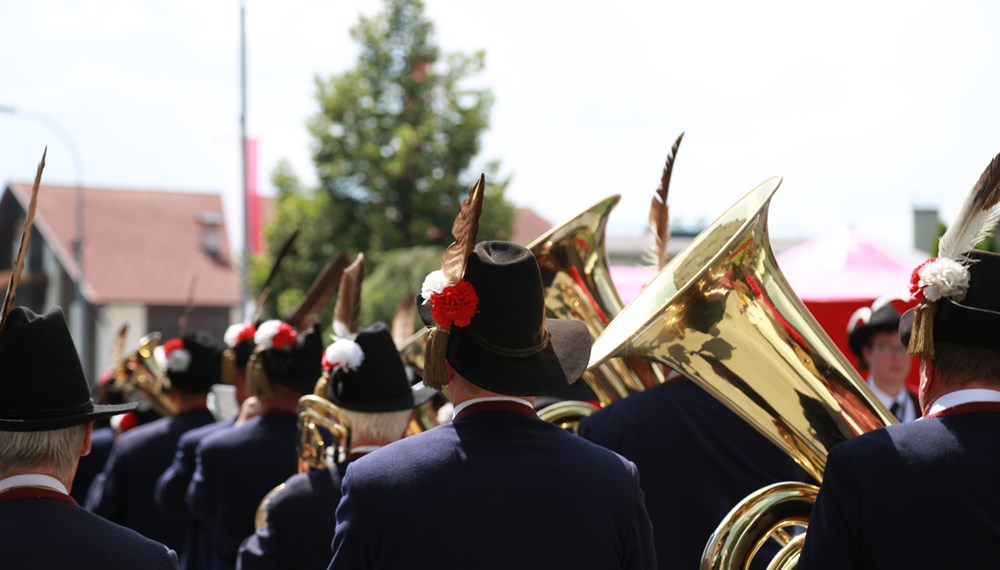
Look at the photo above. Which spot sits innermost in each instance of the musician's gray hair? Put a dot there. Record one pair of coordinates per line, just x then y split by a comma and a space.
57, 450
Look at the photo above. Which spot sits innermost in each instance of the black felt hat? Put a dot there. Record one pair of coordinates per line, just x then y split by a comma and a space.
510, 347
379, 383
864, 324
200, 368
298, 366
974, 321
43, 385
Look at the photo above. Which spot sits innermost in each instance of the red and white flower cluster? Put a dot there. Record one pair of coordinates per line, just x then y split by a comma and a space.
275, 335
171, 356
451, 303
939, 278
344, 354
238, 333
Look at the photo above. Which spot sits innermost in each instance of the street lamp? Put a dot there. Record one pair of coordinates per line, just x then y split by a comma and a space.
79, 325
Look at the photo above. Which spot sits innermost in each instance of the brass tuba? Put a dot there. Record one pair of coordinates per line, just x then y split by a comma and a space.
722, 314
578, 286
139, 373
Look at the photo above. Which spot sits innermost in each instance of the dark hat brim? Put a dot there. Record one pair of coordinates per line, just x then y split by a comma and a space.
98, 412
417, 396
561, 363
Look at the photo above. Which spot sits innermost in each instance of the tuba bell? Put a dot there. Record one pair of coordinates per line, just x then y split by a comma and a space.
722, 314
140, 374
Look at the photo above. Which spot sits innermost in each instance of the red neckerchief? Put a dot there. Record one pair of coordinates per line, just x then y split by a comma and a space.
497, 406
967, 408
34, 493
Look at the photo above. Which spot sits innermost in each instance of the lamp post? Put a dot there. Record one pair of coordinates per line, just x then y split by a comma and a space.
79, 325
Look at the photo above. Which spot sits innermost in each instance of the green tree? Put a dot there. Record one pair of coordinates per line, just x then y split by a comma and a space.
393, 144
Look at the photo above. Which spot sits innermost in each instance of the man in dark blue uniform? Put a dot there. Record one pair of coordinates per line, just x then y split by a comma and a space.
139, 456
924, 494
697, 459
498, 487
237, 467
368, 387
46, 421
171, 488
873, 335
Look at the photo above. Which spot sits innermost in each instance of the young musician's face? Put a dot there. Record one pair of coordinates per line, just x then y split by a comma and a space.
888, 362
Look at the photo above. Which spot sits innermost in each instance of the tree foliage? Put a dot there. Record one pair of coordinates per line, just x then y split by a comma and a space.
394, 144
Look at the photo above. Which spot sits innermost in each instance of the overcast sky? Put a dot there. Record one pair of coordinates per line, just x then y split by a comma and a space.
865, 108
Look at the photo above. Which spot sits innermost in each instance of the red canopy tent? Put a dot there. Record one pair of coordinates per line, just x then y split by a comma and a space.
834, 275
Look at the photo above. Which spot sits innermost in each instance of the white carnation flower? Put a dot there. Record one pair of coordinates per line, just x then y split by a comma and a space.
265, 333
233, 334
344, 354
944, 278
179, 360
435, 282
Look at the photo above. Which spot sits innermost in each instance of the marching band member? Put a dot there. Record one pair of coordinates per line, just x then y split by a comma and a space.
497, 487
46, 420
140, 455
873, 335
171, 487
923, 494
237, 467
367, 384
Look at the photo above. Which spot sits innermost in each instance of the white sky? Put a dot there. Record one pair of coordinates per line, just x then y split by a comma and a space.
865, 108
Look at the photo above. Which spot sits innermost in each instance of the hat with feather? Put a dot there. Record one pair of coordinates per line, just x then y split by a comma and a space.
44, 387
486, 311
881, 316
957, 290
289, 351
363, 371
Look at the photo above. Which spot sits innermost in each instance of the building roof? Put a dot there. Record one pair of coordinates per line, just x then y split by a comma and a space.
139, 246
528, 226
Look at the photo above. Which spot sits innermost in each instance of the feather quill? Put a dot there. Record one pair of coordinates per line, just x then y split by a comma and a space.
403, 319
319, 293
348, 308
22, 250
464, 230
659, 211
977, 218
265, 289
183, 320
118, 345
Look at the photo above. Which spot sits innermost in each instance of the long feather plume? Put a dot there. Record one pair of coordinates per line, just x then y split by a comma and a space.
464, 230
978, 216
183, 320
265, 289
347, 312
22, 250
319, 293
118, 345
403, 319
659, 211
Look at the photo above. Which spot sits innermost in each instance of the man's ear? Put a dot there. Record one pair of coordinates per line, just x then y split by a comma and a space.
85, 448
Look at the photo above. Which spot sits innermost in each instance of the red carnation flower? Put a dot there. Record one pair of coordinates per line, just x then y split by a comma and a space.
916, 291
455, 304
285, 336
172, 345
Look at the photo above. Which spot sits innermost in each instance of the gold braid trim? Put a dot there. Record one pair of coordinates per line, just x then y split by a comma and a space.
921, 342
435, 371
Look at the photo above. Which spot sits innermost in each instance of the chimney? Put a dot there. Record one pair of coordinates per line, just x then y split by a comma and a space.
211, 234
925, 228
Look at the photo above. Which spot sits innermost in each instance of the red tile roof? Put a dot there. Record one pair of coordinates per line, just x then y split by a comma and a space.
528, 226
139, 246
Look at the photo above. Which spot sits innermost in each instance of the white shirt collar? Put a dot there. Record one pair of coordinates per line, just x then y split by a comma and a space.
902, 398
965, 396
32, 480
468, 403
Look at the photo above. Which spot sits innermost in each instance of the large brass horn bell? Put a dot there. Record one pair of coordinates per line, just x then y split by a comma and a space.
722, 314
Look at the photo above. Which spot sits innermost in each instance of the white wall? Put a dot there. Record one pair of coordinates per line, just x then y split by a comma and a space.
109, 319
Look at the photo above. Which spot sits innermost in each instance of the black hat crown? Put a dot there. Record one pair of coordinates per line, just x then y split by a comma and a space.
298, 366
509, 346
204, 363
379, 383
44, 387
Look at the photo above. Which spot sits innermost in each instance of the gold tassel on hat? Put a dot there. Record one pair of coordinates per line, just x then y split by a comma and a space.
257, 381
921, 342
435, 373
